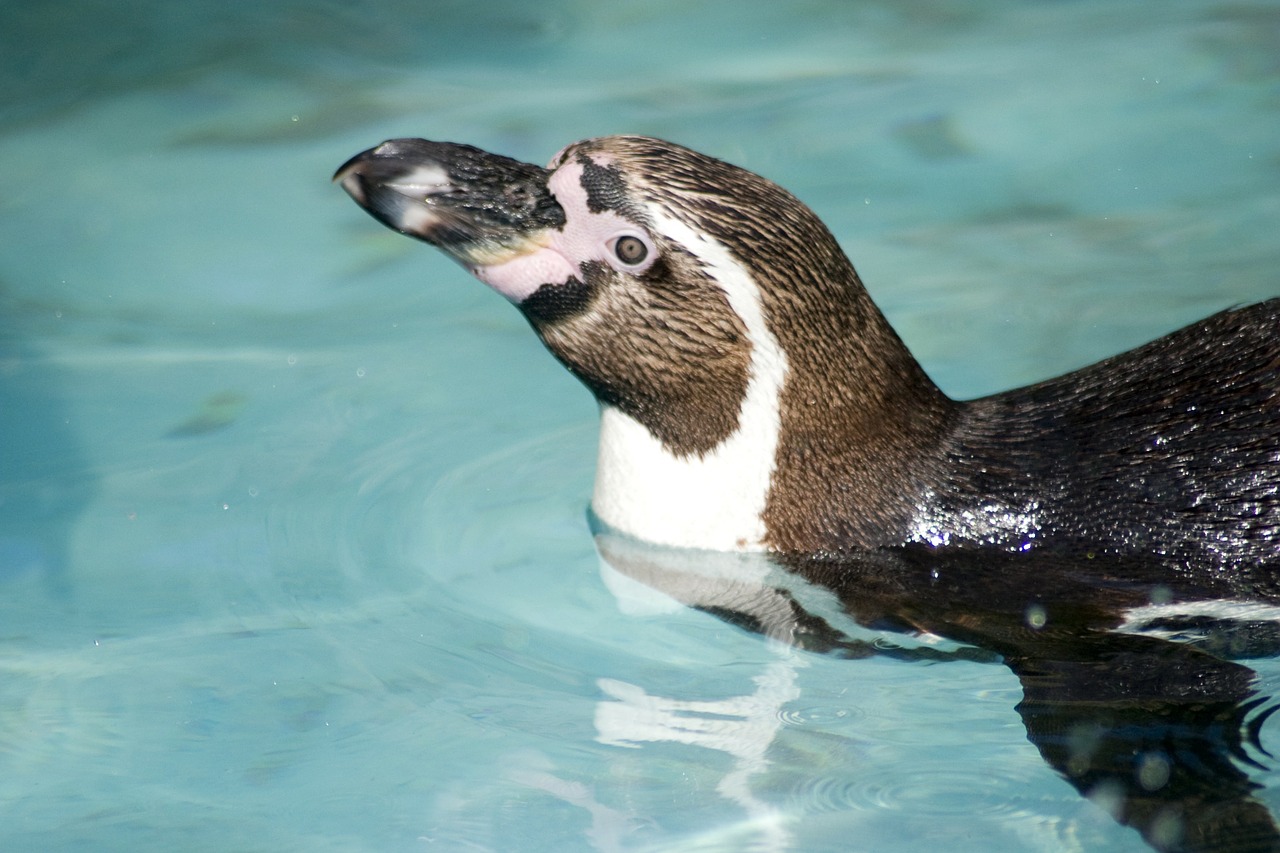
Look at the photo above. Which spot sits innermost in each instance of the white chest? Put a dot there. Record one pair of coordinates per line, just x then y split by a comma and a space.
713, 502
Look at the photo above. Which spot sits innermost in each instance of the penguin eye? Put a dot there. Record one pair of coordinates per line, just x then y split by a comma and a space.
630, 250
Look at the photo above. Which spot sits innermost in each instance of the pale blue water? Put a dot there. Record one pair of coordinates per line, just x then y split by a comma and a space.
293, 553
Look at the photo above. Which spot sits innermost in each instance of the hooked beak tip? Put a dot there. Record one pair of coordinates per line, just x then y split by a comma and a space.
348, 177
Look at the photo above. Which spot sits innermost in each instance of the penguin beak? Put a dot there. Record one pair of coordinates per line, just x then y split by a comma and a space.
481, 209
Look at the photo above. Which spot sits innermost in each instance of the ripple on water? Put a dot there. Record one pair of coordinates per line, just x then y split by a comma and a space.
820, 715
938, 788
402, 524
533, 490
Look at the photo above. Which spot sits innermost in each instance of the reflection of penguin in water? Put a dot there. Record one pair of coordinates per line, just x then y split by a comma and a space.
754, 398
1161, 734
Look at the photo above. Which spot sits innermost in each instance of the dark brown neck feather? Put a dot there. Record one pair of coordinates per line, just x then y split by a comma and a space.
863, 427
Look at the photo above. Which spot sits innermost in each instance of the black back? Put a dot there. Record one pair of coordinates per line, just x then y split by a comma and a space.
1171, 450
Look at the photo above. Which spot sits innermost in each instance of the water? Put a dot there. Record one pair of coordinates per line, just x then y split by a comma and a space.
293, 552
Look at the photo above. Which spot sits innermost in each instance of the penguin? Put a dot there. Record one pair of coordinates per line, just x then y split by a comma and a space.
753, 398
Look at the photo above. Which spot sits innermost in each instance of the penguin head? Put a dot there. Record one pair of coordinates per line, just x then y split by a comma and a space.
747, 382
640, 263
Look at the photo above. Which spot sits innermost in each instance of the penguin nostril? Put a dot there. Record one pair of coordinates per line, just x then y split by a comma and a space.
518, 197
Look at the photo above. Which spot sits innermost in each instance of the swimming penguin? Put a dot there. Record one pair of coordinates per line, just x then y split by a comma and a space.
754, 398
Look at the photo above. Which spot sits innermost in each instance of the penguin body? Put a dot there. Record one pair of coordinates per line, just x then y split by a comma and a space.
754, 398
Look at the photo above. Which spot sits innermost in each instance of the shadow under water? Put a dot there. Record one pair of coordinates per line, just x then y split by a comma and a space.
1131, 686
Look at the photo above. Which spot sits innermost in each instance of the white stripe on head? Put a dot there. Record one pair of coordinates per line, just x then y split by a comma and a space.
713, 501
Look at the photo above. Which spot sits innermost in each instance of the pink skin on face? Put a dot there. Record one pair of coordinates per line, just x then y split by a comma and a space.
519, 277
557, 255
